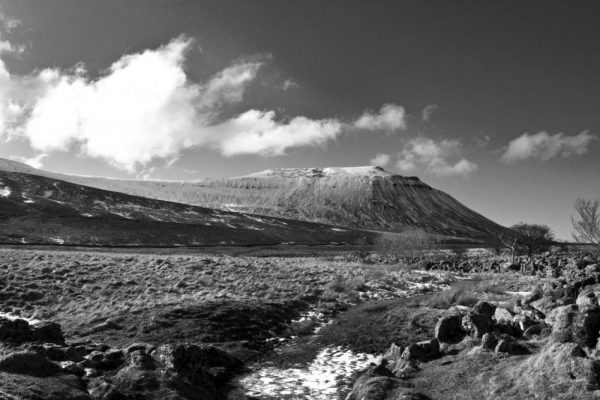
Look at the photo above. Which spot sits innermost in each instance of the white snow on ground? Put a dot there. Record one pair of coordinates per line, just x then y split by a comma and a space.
319, 380
57, 240
12, 317
361, 171
122, 214
5, 191
523, 294
338, 230
87, 215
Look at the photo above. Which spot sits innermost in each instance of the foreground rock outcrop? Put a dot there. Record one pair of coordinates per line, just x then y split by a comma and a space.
42, 366
543, 346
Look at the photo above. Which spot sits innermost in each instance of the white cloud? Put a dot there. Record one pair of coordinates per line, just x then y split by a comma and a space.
290, 84
381, 160
428, 111
390, 118
144, 107
544, 147
433, 156
257, 132
228, 85
7, 25
35, 161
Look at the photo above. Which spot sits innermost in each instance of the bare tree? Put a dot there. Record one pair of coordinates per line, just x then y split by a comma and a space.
408, 246
586, 225
534, 237
510, 244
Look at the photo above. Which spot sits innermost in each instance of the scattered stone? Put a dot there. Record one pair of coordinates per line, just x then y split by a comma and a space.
422, 351
502, 314
448, 329
483, 307
477, 324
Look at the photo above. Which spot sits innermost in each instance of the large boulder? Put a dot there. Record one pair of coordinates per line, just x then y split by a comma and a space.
586, 327
422, 351
28, 363
477, 324
448, 329
502, 314
483, 307
171, 371
588, 299
20, 331
561, 319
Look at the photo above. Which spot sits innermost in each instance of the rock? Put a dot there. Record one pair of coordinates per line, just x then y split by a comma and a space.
483, 307
374, 384
587, 299
507, 328
546, 304
477, 324
585, 328
507, 344
28, 363
502, 314
72, 368
523, 322
422, 351
25, 387
489, 341
19, 331
394, 353
138, 346
188, 371
48, 332
561, 320
536, 294
535, 330
592, 268
448, 329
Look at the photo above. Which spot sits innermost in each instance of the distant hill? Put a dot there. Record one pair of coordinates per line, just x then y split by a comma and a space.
37, 209
356, 197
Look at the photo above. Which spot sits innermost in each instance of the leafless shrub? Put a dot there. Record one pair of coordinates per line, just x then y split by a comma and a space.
410, 247
586, 226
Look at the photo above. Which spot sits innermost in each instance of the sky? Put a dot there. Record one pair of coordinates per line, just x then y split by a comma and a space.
495, 103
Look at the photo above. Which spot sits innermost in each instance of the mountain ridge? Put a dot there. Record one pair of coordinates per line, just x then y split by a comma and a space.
365, 198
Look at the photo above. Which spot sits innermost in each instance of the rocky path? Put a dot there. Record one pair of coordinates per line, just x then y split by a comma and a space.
325, 372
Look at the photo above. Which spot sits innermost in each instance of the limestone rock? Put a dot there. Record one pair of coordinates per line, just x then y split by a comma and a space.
448, 329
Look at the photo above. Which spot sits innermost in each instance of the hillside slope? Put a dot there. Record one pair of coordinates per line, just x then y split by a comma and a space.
358, 197
40, 210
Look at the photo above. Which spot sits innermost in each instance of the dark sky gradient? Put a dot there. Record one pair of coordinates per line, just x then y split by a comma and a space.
494, 68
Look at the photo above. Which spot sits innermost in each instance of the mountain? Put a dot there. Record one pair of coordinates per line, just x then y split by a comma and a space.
37, 209
356, 197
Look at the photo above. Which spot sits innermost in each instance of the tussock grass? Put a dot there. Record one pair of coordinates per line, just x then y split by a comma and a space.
465, 293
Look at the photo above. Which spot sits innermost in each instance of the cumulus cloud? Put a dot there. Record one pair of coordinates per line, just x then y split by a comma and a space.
144, 107
257, 132
428, 111
390, 118
543, 146
435, 157
290, 84
381, 160
7, 25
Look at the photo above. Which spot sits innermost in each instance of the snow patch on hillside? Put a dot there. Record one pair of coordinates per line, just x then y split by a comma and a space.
5, 191
321, 172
